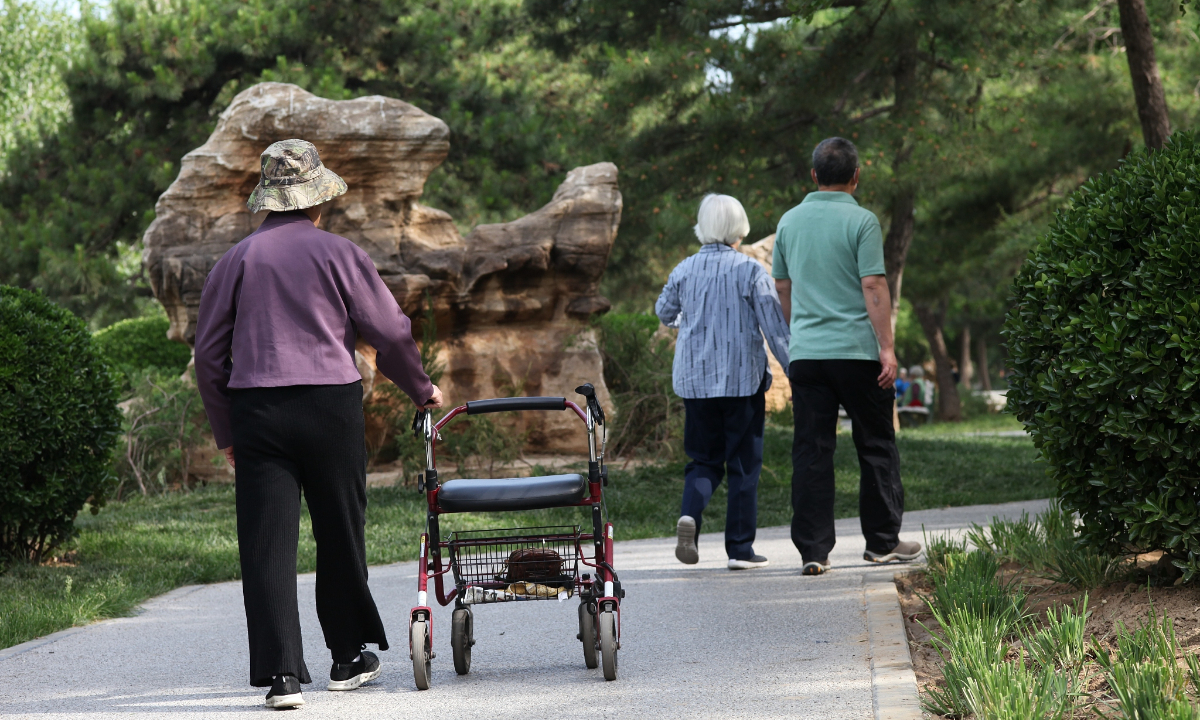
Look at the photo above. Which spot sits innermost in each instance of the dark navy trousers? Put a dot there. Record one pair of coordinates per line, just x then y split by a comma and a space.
725, 436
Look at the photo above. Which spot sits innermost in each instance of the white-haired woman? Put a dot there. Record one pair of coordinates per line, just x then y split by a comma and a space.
723, 303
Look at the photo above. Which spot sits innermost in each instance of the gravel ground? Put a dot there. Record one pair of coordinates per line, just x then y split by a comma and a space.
697, 642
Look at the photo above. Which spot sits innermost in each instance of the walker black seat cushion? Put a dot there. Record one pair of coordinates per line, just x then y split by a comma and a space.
529, 493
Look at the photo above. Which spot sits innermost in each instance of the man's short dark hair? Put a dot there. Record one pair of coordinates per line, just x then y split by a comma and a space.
835, 159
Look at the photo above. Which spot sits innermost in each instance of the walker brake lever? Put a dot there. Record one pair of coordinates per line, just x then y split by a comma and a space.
418, 423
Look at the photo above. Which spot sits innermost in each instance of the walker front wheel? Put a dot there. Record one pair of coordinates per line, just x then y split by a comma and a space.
461, 639
608, 644
419, 646
587, 634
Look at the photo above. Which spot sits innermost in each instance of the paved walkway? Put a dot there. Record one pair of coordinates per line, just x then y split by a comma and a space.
697, 642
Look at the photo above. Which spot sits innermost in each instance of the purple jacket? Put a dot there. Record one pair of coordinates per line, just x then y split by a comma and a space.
284, 306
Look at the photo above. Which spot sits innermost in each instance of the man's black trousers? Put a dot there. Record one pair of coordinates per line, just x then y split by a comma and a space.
722, 435
288, 440
818, 387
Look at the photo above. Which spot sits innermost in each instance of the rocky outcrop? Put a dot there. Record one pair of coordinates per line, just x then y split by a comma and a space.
510, 300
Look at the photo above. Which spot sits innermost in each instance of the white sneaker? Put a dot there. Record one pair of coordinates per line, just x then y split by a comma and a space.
685, 541
755, 562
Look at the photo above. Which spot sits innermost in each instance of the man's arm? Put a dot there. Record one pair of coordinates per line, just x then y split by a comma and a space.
784, 289
879, 309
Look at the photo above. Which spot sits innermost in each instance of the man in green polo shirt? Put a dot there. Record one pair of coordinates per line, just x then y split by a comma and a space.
828, 269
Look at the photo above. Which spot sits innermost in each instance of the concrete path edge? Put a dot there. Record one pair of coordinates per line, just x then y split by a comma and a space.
893, 684
15, 650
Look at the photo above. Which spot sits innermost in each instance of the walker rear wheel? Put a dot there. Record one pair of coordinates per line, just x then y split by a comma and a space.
587, 634
419, 645
608, 644
462, 637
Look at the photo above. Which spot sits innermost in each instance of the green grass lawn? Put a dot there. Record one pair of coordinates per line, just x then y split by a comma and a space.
139, 548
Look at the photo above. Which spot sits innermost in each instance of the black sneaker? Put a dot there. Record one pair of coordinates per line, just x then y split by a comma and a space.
285, 693
349, 676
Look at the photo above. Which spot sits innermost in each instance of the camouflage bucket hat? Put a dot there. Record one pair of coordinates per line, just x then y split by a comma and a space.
293, 178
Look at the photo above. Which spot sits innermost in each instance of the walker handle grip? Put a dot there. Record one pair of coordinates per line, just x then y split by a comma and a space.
477, 407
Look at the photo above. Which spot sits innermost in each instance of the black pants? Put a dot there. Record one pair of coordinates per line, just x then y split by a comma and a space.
818, 387
720, 435
286, 440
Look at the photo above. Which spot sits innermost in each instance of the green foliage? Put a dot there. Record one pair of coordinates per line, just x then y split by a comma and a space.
970, 584
164, 422
1013, 691
35, 38
1102, 339
1061, 641
969, 647
58, 423
637, 370
141, 344
1048, 545
1144, 675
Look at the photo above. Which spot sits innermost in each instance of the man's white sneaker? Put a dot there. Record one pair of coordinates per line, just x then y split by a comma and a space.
903, 552
755, 562
685, 541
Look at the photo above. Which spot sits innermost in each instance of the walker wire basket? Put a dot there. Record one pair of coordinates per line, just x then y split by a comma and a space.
505, 565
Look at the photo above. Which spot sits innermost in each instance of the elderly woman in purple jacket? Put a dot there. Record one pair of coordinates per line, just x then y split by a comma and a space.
279, 316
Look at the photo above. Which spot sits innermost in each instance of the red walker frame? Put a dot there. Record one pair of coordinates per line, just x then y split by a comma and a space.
599, 596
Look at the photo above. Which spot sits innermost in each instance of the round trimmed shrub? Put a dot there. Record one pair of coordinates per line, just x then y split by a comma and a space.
58, 423
1104, 348
141, 344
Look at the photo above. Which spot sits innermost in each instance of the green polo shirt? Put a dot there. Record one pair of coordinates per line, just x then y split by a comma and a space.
825, 246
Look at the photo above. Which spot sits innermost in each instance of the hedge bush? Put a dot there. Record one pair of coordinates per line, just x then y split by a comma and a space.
1104, 348
142, 344
58, 423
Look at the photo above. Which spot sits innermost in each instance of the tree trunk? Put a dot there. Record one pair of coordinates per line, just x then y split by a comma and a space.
1143, 70
966, 370
931, 317
900, 228
985, 378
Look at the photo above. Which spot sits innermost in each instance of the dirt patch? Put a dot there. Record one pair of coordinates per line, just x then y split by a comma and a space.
1125, 602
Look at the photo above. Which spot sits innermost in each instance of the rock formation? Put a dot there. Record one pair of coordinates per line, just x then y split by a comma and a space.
510, 300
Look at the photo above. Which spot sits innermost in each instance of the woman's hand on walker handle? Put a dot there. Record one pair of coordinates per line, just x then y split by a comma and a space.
435, 400
229, 456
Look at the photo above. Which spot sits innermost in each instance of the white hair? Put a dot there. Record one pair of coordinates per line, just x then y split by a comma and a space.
721, 219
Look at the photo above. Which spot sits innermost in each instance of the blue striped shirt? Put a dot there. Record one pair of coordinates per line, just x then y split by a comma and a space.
723, 303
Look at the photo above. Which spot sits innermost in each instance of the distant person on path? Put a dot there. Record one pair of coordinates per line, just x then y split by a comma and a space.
828, 268
275, 365
723, 304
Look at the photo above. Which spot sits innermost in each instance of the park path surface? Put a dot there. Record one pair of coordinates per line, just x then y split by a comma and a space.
698, 642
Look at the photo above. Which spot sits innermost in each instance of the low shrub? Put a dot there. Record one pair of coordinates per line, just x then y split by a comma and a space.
637, 370
1048, 545
58, 420
970, 583
140, 344
1144, 675
1103, 340
164, 421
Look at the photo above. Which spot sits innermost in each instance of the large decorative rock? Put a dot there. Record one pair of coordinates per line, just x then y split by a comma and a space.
510, 300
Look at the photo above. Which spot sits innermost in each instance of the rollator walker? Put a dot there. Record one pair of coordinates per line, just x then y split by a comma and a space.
517, 564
